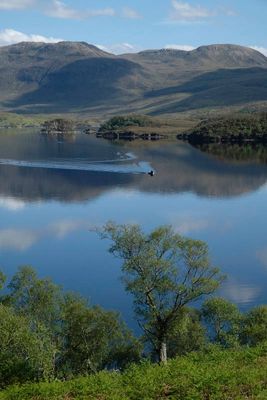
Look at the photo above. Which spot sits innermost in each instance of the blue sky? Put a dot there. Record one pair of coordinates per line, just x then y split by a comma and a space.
131, 25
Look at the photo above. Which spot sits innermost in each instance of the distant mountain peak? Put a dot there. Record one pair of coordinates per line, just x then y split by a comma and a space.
62, 47
222, 48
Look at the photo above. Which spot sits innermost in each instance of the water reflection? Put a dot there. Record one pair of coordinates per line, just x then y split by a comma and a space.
241, 293
46, 214
255, 152
82, 172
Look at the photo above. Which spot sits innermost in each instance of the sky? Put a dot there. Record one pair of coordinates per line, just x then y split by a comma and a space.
122, 26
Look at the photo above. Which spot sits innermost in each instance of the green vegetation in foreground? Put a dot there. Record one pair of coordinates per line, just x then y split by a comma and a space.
55, 345
216, 374
240, 127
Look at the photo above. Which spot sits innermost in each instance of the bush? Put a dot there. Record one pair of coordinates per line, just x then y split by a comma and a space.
121, 122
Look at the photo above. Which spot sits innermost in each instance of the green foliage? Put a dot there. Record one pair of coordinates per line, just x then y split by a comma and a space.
164, 271
254, 329
223, 319
12, 120
24, 354
47, 334
214, 374
121, 122
187, 335
39, 299
94, 339
233, 126
2, 280
75, 338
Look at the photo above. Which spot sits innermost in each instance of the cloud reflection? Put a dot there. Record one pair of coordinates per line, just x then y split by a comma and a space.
17, 239
65, 227
23, 239
11, 203
262, 256
240, 293
190, 225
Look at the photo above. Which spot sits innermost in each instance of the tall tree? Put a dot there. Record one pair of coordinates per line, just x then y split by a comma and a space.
165, 272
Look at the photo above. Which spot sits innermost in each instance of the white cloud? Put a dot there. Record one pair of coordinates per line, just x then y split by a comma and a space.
185, 12
130, 13
58, 9
17, 239
10, 36
119, 48
15, 4
228, 11
104, 12
183, 47
261, 49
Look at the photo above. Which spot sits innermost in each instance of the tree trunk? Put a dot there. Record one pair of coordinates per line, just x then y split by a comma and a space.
163, 352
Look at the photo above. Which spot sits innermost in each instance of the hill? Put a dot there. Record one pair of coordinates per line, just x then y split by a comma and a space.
78, 77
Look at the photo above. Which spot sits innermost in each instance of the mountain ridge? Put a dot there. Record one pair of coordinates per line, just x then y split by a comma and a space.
69, 76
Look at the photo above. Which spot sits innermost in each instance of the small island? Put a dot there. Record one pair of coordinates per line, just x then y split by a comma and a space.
144, 127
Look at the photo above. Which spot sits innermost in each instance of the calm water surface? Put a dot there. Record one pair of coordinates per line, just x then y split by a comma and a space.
54, 190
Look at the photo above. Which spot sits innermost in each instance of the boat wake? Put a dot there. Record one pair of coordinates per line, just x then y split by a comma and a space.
141, 167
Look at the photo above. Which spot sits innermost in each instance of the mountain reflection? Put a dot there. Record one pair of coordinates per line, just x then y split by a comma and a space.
236, 152
179, 168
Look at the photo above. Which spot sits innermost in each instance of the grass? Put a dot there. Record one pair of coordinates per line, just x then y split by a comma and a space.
13, 120
10, 120
217, 374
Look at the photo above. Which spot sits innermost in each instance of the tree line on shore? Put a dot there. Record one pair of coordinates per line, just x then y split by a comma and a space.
47, 333
233, 128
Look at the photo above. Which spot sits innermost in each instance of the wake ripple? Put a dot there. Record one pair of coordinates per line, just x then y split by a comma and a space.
141, 167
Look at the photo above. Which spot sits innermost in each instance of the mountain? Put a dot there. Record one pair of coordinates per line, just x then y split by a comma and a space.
76, 76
